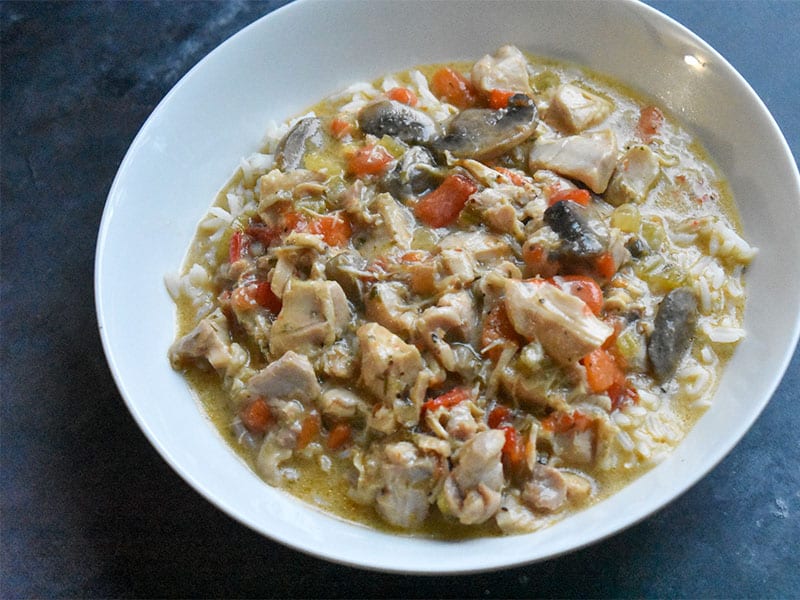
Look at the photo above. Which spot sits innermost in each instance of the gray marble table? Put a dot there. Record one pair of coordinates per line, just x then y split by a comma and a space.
88, 506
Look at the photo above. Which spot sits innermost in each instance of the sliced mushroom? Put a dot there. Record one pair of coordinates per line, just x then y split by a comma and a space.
416, 173
567, 219
387, 117
292, 148
482, 133
672, 332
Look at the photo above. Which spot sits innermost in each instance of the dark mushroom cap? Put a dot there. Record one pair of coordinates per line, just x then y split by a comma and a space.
387, 117
483, 133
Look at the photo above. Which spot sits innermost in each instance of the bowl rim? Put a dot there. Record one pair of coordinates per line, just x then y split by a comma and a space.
329, 552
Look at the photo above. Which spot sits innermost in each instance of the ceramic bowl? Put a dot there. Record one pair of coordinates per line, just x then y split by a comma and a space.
218, 112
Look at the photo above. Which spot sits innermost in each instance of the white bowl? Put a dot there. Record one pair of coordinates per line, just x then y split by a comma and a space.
217, 113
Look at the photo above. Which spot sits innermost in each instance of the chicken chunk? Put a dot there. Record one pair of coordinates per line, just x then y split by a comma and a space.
454, 313
472, 491
587, 158
314, 314
635, 175
506, 69
208, 342
515, 518
341, 404
574, 109
397, 221
546, 490
389, 366
496, 208
386, 305
289, 377
277, 186
562, 323
409, 478
401, 479
485, 247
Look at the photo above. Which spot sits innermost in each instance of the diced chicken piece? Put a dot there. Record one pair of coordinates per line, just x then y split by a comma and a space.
485, 247
506, 69
313, 316
289, 377
341, 404
496, 208
574, 109
459, 265
397, 221
587, 158
634, 177
338, 360
409, 479
208, 342
579, 488
515, 518
400, 479
562, 323
454, 313
546, 490
386, 305
354, 201
389, 366
530, 387
277, 185
282, 274
429, 443
575, 446
382, 419
472, 491
461, 423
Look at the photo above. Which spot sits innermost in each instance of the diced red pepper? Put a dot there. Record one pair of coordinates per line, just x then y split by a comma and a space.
582, 197
581, 287
497, 328
262, 233
606, 265
451, 86
561, 422
266, 298
498, 416
499, 98
308, 430
334, 229
340, 128
339, 435
513, 450
622, 394
538, 262
442, 206
602, 371
237, 247
515, 177
402, 95
650, 121
372, 159
447, 400
256, 416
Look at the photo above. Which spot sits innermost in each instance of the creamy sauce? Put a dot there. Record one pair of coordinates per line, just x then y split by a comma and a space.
688, 187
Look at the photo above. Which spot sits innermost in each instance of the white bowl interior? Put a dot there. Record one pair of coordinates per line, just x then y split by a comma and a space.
218, 113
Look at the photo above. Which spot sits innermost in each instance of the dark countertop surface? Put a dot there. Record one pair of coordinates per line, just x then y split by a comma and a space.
88, 506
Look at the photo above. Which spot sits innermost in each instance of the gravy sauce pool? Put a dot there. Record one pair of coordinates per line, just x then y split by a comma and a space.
687, 229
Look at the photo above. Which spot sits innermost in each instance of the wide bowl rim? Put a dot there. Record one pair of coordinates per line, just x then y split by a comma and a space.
330, 552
